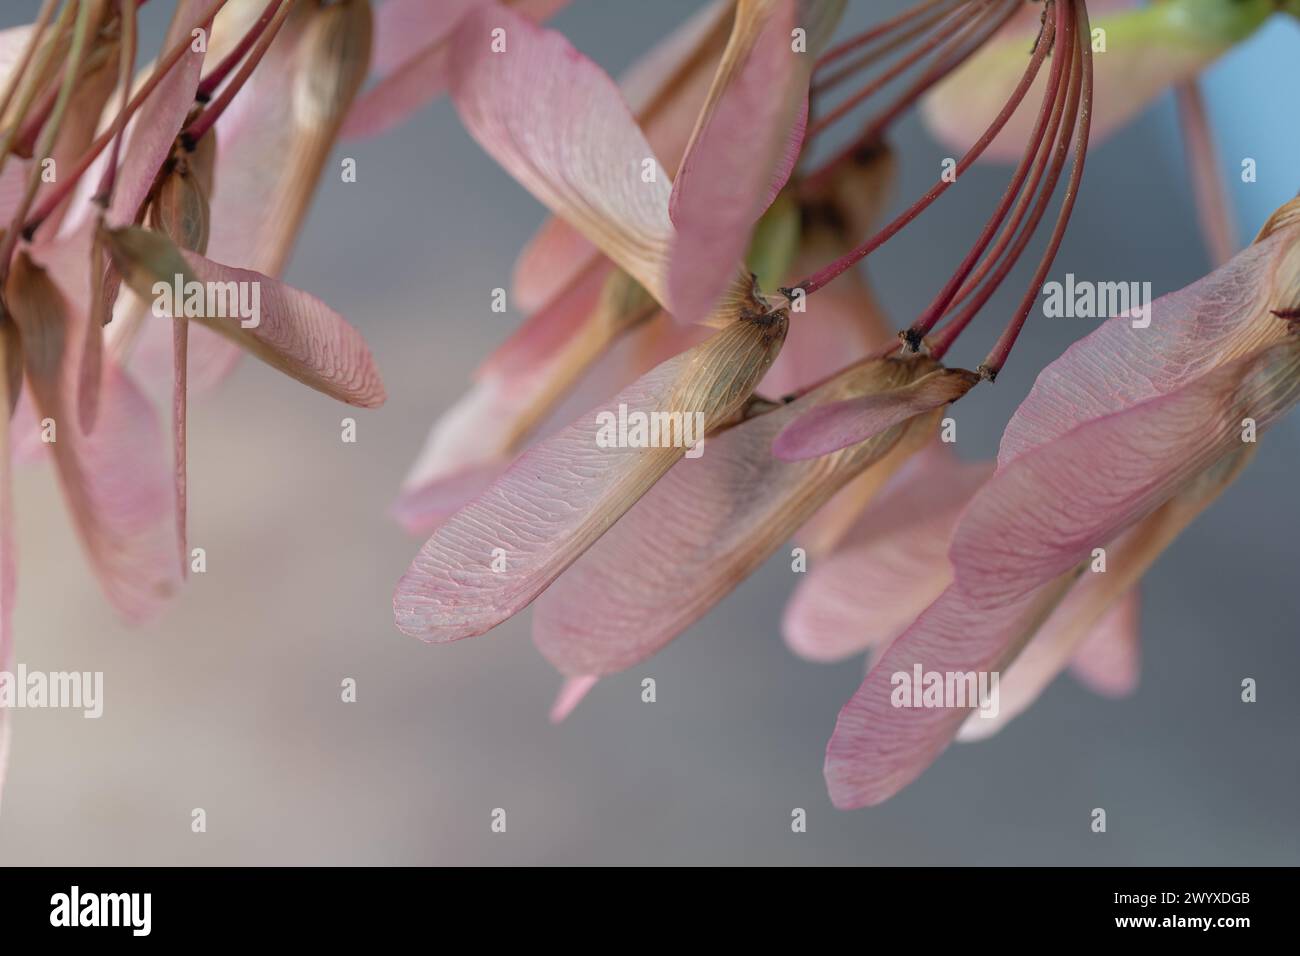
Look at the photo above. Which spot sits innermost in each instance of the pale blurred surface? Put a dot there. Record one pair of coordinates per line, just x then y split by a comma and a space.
231, 702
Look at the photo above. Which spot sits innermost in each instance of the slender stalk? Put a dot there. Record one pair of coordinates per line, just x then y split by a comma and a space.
212, 112
24, 143
69, 183
1212, 205
828, 273
208, 85
939, 343
126, 67
1034, 148
1022, 205
946, 62
954, 24
941, 67
879, 30
26, 81
1049, 161
80, 34
996, 359
824, 84
20, 68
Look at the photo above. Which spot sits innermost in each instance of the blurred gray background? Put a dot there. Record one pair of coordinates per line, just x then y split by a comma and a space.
231, 701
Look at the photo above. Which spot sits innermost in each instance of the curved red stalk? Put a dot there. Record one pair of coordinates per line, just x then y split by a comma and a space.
1033, 149
847, 261
940, 342
995, 20
1022, 205
1051, 145
904, 101
881, 29
208, 85
996, 359
211, 113
954, 24
25, 141
891, 44
104, 194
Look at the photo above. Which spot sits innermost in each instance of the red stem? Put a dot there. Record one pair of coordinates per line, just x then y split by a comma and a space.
1031, 200
25, 140
955, 24
208, 85
836, 268
1035, 147
205, 120
928, 78
941, 69
879, 30
827, 83
104, 194
996, 359
69, 183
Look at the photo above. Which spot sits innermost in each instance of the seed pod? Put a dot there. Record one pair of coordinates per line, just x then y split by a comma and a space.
40, 314
11, 361
143, 258
729, 366
332, 64
331, 59
180, 210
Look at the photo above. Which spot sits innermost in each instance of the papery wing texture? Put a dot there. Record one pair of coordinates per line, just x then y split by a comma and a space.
412, 47
665, 90
1192, 330
116, 480
299, 335
480, 432
549, 506
287, 328
890, 566
1126, 416
1074, 625
741, 154
828, 428
563, 493
689, 542
1050, 506
1087, 612
1108, 662
878, 748
558, 124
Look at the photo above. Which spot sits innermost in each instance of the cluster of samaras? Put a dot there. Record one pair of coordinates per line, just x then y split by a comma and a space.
699, 267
